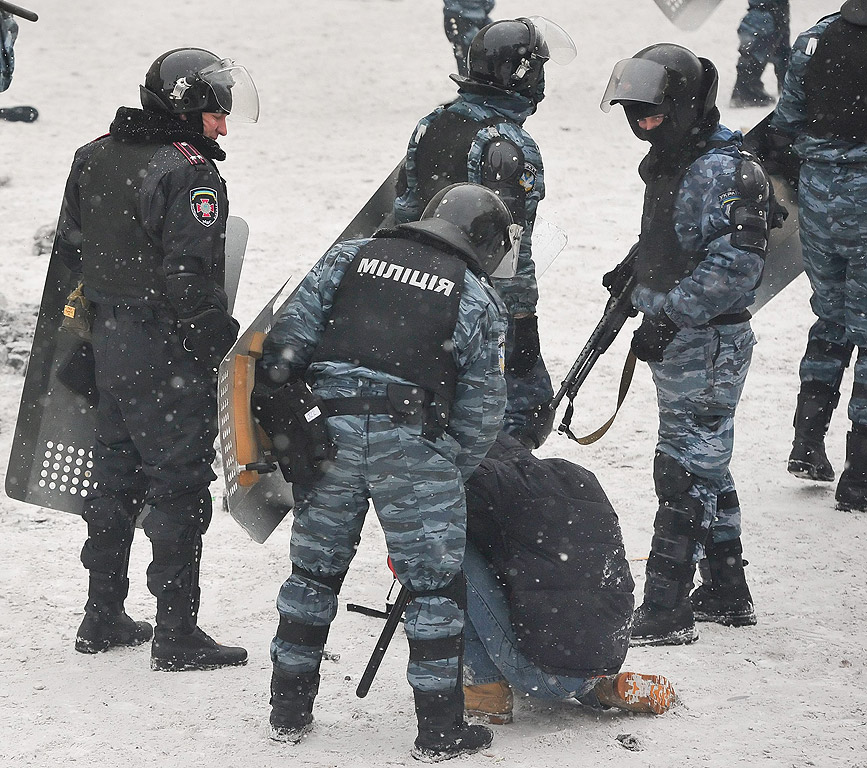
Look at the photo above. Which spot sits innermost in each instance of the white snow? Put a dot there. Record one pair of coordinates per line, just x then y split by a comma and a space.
342, 84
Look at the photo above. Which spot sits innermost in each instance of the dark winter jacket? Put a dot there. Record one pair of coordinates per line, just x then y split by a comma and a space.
552, 536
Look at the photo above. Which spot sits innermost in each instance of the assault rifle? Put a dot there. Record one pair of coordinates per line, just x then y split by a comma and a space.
17, 10
618, 309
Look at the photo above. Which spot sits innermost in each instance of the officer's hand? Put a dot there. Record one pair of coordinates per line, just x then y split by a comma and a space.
652, 337
616, 280
209, 335
525, 346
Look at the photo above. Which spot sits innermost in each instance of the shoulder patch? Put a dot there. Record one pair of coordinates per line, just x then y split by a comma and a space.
528, 177
727, 198
194, 157
203, 202
811, 46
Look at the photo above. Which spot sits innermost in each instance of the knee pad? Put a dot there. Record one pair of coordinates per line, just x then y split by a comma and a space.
670, 478
179, 517
295, 632
434, 645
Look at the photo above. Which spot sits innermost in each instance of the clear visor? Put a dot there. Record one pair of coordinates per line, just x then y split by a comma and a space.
508, 266
234, 90
561, 49
635, 80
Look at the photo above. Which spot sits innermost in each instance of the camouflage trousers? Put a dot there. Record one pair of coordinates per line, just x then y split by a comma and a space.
764, 36
833, 222
419, 499
698, 386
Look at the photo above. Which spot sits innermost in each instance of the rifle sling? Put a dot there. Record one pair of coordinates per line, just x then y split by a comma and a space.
625, 381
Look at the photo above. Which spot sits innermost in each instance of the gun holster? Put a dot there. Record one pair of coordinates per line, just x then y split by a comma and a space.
295, 420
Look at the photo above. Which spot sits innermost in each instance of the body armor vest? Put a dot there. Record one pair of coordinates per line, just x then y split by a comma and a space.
662, 262
118, 258
441, 155
834, 83
395, 311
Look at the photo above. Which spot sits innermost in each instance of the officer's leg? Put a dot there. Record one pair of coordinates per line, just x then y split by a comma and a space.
117, 497
419, 499
782, 41
849, 233
724, 596
756, 35
328, 518
169, 407
829, 349
528, 417
698, 388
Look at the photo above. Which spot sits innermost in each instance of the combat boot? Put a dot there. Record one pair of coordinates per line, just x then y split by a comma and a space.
723, 596
176, 651
106, 624
645, 694
654, 624
749, 91
489, 702
442, 731
292, 698
816, 403
851, 492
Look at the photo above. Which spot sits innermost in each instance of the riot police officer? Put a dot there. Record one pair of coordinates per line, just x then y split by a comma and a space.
401, 336
462, 20
822, 111
700, 256
480, 137
764, 39
143, 221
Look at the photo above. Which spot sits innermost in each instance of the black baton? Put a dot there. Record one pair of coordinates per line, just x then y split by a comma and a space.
17, 10
394, 616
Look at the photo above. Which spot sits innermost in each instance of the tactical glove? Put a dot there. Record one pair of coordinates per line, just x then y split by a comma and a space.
652, 337
209, 335
616, 280
525, 346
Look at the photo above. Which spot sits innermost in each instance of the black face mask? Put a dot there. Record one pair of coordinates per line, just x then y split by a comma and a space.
665, 134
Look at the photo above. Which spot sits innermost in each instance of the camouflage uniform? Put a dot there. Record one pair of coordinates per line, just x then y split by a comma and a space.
8, 33
415, 483
462, 19
701, 377
833, 223
520, 294
764, 38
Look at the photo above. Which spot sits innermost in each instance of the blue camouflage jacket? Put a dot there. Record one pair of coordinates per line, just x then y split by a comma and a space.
790, 116
469, 9
520, 293
725, 280
478, 343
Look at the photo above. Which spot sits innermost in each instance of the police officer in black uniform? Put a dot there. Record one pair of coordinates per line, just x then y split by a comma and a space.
143, 222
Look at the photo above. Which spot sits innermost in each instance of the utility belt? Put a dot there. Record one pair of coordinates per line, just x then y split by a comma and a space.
732, 318
136, 312
403, 403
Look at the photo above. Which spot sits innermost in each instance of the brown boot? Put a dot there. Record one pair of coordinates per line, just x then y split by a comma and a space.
648, 694
490, 702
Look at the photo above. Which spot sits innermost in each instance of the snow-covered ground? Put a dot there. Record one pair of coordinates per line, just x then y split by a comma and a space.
342, 83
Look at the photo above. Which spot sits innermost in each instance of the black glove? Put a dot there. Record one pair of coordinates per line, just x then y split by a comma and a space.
615, 280
209, 335
525, 346
652, 337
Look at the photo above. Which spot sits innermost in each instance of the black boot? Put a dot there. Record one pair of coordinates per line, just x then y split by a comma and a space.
179, 644
442, 731
292, 699
665, 617
724, 596
852, 489
749, 90
105, 623
816, 403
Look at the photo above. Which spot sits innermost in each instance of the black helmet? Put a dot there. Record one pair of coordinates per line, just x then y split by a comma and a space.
193, 80
510, 56
855, 12
473, 220
663, 79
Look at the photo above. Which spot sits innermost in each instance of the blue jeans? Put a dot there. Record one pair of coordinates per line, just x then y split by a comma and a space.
491, 649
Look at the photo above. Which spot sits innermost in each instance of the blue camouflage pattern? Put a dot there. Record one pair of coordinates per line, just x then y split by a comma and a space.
698, 385
763, 36
833, 230
462, 20
520, 294
701, 377
416, 484
8, 33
